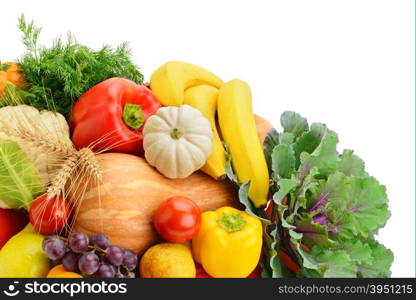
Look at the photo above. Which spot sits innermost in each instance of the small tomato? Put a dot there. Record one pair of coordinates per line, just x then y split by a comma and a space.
178, 219
49, 216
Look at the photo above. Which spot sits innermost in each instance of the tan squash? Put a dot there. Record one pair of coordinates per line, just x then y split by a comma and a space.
130, 193
124, 204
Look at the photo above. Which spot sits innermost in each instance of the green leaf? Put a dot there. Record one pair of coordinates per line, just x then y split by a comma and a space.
286, 138
313, 233
243, 197
381, 263
229, 166
230, 172
283, 162
358, 251
351, 165
332, 263
294, 123
360, 208
326, 191
325, 157
285, 187
270, 141
308, 141
307, 186
275, 264
19, 180
60, 74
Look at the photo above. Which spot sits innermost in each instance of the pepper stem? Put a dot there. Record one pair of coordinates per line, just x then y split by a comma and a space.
176, 133
231, 222
133, 115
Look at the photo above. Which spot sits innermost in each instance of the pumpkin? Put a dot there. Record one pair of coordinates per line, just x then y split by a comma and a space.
263, 127
177, 140
10, 73
124, 204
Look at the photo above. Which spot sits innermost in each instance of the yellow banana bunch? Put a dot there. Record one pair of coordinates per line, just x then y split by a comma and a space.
204, 98
238, 128
170, 81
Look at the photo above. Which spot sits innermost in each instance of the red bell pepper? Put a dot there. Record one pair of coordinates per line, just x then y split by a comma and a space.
110, 116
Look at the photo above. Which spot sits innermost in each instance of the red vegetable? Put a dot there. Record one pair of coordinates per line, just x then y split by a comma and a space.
111, 116
178, 219
288, 261
49, 216
11, 222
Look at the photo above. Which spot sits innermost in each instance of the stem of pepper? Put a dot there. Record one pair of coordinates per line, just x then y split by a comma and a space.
231, 222
133, 115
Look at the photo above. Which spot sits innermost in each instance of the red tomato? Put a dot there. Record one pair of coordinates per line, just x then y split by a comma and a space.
178, 219
11, 222
49, 216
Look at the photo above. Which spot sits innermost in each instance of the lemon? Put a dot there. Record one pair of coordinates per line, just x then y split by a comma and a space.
168, 260
22, 256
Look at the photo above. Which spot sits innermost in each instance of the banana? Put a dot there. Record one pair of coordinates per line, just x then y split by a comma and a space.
170, 81
204, 98
238, 128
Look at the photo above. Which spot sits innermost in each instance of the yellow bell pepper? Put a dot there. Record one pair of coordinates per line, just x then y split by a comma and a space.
228, 243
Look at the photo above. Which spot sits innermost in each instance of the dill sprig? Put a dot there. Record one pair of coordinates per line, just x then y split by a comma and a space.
60, 74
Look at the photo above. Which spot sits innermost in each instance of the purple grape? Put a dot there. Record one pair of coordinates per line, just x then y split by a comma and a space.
105, 271
78, 242
54, 247
119, 275
70, 261
55, 263
129, 260
88, 263
100, 240
115, 255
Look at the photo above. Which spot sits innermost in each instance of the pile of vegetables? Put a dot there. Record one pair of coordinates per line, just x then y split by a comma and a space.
104, 176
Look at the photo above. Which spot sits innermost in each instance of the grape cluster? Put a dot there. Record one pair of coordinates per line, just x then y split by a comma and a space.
92, 256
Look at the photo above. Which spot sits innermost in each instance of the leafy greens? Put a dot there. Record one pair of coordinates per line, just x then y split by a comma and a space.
59, 75
328, 207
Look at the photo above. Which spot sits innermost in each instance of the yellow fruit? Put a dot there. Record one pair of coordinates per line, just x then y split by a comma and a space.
204, 98
168, 260
59, 271
238, 128
170, 81
22, 256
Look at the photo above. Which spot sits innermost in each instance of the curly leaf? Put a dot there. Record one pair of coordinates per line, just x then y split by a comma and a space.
283, 162
294, 123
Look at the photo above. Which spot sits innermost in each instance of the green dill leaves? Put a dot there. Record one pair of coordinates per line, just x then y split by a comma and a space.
60, 74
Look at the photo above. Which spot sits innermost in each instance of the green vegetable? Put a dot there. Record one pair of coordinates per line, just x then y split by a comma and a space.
20, 182
324, 200
59, 75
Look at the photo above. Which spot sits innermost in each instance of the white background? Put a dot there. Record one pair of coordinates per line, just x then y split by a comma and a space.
349, 64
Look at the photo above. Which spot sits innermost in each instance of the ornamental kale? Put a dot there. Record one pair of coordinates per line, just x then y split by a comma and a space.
326, 209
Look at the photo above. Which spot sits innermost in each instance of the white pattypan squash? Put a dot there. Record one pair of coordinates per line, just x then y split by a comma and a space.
177, 140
